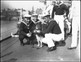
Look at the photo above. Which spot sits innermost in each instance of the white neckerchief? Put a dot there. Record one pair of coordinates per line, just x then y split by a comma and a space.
59, 4
34, 22
24, 23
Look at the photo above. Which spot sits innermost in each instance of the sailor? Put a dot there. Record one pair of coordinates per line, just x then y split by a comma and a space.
59, 13
24, 32
52, 33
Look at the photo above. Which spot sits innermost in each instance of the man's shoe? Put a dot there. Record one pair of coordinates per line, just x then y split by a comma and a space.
22, 44
28, 43
38, 47
68, 34
70, 48
56, 44
32, 46
51, 49
62, 43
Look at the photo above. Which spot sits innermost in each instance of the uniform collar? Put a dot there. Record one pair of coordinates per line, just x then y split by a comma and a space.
24, 23
35, 22
59, 4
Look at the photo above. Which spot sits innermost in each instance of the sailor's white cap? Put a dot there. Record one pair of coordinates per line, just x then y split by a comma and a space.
27, 15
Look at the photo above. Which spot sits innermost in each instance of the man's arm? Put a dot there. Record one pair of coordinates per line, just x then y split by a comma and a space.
47, 9
49, 28
66, 9
22, 30
53, 12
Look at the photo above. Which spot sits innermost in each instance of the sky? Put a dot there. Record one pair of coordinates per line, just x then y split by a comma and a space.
25, 4
18, 4
22, 4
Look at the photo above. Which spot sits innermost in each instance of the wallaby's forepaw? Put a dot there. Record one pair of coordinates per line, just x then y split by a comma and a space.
12, 35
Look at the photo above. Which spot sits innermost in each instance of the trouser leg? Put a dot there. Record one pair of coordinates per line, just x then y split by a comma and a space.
61, 24
60, 20
48, 41
78, 39
33, 39
70, 30
74, 32
55, 37
50, 38
21, 37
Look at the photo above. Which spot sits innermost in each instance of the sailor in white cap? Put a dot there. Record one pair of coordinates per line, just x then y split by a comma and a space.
60, 13
52, 32
26, 19
75, 16
34, 18
24, 32
49, 8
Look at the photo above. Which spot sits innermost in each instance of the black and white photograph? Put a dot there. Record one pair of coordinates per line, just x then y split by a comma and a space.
40, 31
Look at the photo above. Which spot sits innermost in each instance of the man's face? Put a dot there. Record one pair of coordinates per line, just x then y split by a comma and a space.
58, 1
26, 20
53, 3
34, 19
46, 19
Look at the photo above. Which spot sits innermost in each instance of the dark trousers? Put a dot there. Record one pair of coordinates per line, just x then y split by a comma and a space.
33, 39
22, 37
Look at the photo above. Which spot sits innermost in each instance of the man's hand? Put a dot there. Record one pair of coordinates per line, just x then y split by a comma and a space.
28, 34
36, 31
